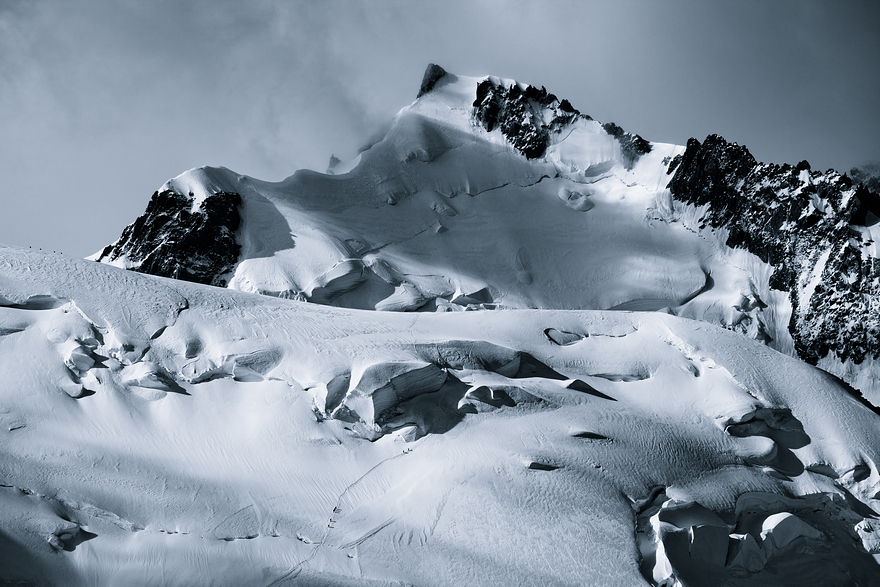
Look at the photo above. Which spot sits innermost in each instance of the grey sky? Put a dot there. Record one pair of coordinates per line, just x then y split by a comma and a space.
102, 101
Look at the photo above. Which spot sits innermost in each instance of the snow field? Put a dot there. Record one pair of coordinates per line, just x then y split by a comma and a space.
259, 440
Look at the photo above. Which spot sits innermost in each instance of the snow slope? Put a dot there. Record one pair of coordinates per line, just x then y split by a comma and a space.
441, 208
158, 432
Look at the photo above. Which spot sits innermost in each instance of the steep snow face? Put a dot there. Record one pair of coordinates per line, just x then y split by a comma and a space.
163, 432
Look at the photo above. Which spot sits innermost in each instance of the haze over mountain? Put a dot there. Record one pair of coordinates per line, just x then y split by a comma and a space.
506, 344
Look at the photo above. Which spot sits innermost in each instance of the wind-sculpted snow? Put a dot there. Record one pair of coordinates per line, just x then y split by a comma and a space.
166, 432
435, 212
757, 543
262, 441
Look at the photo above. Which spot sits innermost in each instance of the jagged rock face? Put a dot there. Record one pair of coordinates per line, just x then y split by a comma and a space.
632, 146
526, 117
433, 74
806, 225
175, 239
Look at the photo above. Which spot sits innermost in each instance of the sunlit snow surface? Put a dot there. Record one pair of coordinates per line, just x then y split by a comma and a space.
156, 432
442, 214
163, 433
441, 208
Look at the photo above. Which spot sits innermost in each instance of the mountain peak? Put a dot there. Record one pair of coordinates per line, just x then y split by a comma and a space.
433, 74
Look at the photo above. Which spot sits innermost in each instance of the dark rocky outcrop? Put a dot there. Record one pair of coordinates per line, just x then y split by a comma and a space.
432, 75
174, 239
632, 146
526, 117
805, 224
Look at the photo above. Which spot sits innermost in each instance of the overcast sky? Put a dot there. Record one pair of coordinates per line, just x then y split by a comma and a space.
102, 101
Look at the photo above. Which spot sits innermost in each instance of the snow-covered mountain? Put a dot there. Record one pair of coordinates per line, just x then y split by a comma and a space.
817, 232
441, 209
623, 418
490, 193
